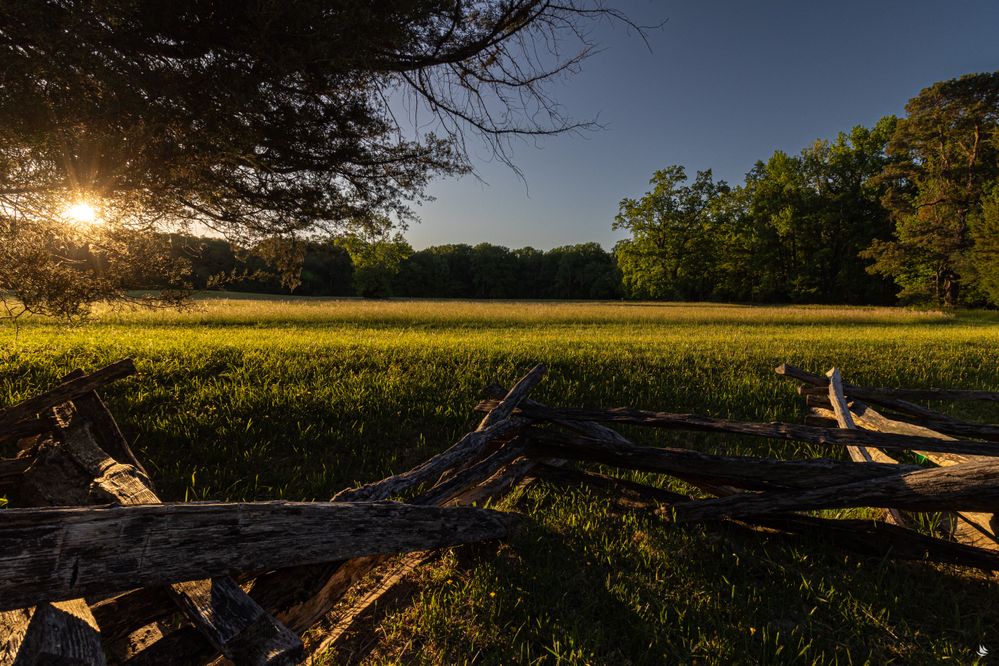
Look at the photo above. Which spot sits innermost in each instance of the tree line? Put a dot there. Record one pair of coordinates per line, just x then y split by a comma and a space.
389, 266
906, 210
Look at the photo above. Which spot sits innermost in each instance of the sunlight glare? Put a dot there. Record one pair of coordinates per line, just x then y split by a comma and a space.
81, 212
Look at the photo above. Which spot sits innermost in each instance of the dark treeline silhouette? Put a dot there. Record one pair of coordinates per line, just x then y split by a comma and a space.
389, 267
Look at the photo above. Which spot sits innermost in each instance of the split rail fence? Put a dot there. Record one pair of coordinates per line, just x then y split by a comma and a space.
95, 569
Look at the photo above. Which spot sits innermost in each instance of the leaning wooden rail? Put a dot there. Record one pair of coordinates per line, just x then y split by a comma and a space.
28, 409
971, 486
740, 471
63, 553
777, 430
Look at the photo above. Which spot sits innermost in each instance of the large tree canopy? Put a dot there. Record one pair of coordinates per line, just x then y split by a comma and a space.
947, 157
266, 117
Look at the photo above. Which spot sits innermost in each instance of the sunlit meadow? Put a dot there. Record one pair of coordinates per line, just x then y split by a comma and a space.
250, 398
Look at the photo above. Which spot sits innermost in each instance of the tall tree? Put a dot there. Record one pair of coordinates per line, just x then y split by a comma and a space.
670, 252
947, 150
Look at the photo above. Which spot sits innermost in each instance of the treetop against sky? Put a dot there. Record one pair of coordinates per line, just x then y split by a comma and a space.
721, 85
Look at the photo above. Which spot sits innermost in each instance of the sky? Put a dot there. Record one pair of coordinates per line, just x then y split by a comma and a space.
720, 85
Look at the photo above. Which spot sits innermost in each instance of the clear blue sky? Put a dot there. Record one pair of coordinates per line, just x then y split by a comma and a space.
725, 84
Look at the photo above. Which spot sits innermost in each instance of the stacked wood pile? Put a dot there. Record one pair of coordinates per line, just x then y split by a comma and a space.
95, 569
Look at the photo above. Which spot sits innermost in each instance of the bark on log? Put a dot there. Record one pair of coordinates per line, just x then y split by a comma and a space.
62, 632
65, 392
467, 448
739, 471
776, 430
857, 453
62, 553
867, 537
971, 486
971, 528
233, 623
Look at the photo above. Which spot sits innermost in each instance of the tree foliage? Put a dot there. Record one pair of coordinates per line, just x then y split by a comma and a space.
791, 233
262, 118
947, 150
671, 251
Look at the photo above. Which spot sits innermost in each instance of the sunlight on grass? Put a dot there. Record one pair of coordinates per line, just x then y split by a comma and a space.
292, 398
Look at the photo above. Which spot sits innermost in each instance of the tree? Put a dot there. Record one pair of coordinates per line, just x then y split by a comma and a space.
376, 262
807, 217
985, 255
261, 118
670, 252
947, 151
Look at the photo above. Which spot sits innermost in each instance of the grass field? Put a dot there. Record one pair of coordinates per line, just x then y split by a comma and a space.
260, 399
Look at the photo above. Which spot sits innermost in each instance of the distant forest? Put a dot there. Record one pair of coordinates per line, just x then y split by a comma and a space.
905, 211
382, 268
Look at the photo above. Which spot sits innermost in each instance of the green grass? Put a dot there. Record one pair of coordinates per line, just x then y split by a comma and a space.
297, 398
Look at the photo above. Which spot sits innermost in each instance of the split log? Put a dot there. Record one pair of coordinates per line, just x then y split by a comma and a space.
65, 392
233, 623
971, 528
953, 427
857, 453
468, 447
694, 466
911, 411
972, 486
107, 434
776, 430
514, 397
62, 553
62, 632
867, 537
501, 481
300, 596
123, 614
66, 631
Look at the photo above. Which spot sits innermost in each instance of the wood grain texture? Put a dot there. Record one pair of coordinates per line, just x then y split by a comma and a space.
970, 486
969, 527
232, 622
739, 471
907, 410
64, 392
62, 553
62, 632
107, 434
844, 418
467, 448
777, 430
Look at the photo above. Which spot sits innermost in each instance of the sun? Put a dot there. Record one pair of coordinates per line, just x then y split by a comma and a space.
81, 212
